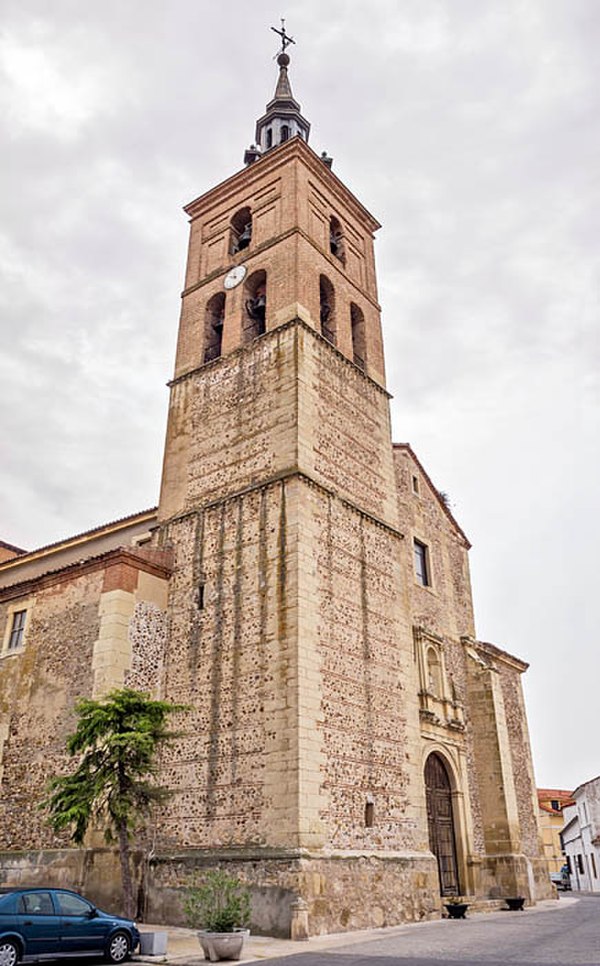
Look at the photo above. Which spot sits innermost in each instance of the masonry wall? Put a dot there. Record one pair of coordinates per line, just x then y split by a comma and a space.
91, 628
293, 542
38, 689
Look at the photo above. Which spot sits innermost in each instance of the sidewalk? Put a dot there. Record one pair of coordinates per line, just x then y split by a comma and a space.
183, 948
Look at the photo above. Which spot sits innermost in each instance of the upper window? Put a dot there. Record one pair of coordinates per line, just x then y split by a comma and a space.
17, 630
422, 569
241, 230
415, 484
285, 133
555, 804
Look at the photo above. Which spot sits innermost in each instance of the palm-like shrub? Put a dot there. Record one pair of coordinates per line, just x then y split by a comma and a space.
217, 902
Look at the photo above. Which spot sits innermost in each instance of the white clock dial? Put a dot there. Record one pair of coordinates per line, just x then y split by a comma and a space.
235, 276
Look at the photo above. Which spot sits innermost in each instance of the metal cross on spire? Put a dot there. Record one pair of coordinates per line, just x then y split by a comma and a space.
285, 40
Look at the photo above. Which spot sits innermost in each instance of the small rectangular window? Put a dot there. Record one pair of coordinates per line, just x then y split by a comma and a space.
17, 629
569, 866
580, 863
593, 861
415, 484
555, 805
422, 564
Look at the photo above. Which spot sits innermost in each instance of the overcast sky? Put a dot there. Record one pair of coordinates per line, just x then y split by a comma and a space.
470, 129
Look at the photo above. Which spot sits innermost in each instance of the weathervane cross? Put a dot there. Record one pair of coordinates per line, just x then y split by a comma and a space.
285, 40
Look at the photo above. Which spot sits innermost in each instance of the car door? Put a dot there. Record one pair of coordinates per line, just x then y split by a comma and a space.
81, 930
38, 923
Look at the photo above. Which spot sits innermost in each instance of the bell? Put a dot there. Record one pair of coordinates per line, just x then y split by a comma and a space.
245, 237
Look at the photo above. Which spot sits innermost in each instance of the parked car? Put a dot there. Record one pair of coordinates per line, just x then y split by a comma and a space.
51, 923
562, 879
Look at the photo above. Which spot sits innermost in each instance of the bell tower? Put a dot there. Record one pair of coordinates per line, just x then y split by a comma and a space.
290, 636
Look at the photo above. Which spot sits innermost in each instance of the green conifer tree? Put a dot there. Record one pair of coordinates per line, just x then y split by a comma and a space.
116, 740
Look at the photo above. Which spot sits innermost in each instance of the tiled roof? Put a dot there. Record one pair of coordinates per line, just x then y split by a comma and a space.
10, 546
23, 554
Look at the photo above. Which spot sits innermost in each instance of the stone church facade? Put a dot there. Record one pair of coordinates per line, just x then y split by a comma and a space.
351, 749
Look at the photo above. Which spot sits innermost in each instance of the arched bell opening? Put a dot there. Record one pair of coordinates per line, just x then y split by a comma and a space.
327, 309
336, 239
284, 134
241, 231
255, 306
213, 327
359, 347
441, 823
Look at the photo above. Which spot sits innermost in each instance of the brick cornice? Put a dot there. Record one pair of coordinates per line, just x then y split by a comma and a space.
297, 149
159, 563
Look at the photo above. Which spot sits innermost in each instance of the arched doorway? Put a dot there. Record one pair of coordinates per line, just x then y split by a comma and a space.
441, 823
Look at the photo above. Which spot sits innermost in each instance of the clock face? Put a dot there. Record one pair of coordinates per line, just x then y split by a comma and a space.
235, 276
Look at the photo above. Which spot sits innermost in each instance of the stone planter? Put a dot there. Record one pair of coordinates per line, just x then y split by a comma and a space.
153, 943
222, 945
457, 910
515, 904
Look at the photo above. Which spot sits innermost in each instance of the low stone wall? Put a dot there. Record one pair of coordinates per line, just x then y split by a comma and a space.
293, 892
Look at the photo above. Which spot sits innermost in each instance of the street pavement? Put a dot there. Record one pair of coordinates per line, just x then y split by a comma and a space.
565, 932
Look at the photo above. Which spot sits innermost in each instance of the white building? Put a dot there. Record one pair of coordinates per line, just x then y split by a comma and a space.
581, 837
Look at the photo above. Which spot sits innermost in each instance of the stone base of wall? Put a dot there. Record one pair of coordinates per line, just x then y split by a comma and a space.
298, 893
294, 893
514, 875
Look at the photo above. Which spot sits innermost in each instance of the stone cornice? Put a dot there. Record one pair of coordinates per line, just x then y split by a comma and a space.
491, 651
284, 476
273, 333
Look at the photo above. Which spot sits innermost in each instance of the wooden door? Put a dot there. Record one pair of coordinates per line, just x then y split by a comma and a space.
440, 819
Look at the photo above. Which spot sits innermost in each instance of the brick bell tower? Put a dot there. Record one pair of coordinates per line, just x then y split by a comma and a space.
289, 630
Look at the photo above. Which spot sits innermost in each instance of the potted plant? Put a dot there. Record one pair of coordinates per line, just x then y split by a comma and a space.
218, 906
457, 909
515, 903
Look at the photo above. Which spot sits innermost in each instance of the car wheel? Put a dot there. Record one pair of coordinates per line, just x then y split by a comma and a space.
9, 953
118, 948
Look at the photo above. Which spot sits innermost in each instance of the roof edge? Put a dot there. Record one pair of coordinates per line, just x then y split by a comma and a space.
407, 448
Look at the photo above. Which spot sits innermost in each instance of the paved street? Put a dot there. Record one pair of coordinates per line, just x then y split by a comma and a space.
567, 932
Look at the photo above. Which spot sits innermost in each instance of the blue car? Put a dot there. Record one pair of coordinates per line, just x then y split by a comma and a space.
40, 924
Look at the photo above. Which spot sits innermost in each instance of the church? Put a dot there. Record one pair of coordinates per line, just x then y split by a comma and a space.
351, 749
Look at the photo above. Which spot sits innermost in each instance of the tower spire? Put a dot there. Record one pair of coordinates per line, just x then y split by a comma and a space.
282, 119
